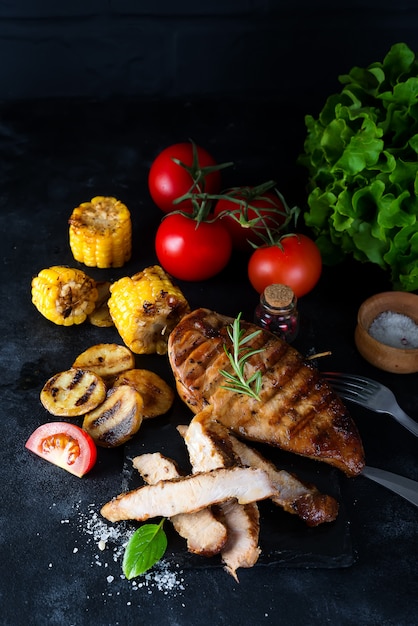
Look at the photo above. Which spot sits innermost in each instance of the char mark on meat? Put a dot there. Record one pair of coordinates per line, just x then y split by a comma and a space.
298, 411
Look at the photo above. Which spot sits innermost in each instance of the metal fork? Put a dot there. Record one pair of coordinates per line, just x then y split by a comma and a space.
370, 394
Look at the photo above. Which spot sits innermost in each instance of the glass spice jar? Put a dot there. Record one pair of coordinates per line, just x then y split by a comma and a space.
277, 312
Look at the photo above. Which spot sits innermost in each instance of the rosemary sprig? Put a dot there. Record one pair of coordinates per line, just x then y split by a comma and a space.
236, 381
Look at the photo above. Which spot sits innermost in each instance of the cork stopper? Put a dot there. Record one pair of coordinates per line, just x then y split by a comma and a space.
278, 296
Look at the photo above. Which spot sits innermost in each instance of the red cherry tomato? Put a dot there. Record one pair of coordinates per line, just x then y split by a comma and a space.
191, 251
66, 445
268, 210
168, 180
297, 263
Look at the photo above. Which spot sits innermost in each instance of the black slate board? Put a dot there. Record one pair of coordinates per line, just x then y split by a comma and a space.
285, 540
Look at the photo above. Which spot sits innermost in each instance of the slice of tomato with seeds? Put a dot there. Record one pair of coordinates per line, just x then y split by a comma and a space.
66, 445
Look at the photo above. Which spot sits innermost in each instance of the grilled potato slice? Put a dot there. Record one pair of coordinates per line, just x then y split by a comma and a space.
157, 395
73, 392
117, 419
100, 316
106, 359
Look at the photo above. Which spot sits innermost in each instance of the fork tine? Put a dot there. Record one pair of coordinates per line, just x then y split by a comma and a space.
362, 380
347, 393
352, 381
350, 386
352, 397
370, 394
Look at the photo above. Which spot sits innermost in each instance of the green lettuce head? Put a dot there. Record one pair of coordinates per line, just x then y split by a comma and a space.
362, 160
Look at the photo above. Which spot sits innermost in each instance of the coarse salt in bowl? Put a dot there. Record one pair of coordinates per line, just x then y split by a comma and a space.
386, 334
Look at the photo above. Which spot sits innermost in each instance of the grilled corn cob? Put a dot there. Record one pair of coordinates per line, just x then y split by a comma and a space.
64, 295
101, 233
145, 308
100, 316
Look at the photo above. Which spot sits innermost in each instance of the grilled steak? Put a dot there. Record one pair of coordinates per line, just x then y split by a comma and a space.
205, 534
297, 411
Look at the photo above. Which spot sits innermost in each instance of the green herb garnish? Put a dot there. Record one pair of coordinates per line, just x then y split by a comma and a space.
236, 381
145, 548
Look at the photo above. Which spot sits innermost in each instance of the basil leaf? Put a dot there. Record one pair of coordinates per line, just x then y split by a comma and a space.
145, 548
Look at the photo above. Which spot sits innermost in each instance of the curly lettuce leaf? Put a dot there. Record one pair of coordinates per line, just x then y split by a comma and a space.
361, 154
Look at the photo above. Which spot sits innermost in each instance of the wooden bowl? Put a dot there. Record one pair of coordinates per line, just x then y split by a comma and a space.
387, 358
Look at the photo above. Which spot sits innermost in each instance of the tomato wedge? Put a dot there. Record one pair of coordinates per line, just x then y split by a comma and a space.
66, 445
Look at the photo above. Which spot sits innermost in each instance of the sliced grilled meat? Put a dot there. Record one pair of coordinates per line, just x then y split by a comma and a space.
297, 411
294, 496
210, 443
204, 533
243, 523
188, 494
210, 447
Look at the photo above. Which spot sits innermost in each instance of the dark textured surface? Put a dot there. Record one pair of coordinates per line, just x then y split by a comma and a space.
56, 154
292, 51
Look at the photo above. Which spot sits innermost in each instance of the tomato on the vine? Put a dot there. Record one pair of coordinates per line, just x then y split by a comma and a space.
266, 211
167, 180
295, 261
189, 250
64, 444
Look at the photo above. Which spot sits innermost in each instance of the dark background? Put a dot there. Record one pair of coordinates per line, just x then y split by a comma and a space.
289, 51
90, 92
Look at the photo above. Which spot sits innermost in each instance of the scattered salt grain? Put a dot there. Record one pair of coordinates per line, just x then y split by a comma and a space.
111, 542
395, 330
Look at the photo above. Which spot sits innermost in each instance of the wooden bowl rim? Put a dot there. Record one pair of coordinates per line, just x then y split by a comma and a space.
402, 302
388, 358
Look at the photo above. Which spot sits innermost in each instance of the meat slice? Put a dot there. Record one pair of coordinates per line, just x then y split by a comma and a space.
188, 494
297, 411
241, 549
154, 466
294, 496
204, 533
208, 443
209, 446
